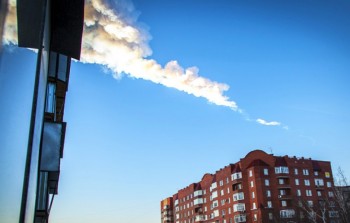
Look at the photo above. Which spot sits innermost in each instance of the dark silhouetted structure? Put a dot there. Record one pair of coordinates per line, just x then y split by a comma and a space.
54, 27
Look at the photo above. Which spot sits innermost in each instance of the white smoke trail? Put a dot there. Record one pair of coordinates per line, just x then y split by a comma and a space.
10, 31
113, 38
121, 46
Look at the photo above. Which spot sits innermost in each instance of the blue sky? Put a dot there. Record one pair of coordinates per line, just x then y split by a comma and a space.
131, 142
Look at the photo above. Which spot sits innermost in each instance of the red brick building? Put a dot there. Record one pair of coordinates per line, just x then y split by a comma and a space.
260, 187
167, 210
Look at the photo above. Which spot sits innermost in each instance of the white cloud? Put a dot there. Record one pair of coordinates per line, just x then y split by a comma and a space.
263, 122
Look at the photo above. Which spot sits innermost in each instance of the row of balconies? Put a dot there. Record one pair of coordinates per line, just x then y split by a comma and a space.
53, 133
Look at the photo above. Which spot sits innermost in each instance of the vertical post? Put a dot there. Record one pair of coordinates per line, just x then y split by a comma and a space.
28, 162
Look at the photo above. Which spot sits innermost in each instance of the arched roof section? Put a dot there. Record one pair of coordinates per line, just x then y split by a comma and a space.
257, 162
257, 155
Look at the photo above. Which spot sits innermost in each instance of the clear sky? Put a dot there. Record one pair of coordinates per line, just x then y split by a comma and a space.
132, 142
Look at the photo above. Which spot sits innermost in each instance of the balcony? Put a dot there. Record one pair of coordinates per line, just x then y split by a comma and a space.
198, 202
290, 213
198, 193
198, 210
237, 186
240, 218
199, 218
236, 177
239, 207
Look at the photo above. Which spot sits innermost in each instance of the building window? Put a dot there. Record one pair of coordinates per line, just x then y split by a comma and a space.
254, 206
236, 176
298, 193
223, 202
330, 194
228, 190
255, 217
281, 181
333, 214
281, 169
267, 182
238, 196
215, 204
229, 210
222, 192
221, 182
287, 213
308, 193
250, 173
307, 182
237, 186
327, 174
295, 171
310, 203
239, 207
268, 193
251, 183
269, 204
50, 105
319, 182
316, 173
266, 171
305, 172
284, 203
282, 192
253, 194
214, 195
227, 180
319, 193
270, 216
329, 184
58, 66
296, 181
240, 218
213, 186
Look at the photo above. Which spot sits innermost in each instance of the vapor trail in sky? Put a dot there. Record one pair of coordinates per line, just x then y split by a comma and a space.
113, 38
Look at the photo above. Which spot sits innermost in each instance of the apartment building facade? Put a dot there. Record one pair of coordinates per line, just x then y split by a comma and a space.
260, 187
